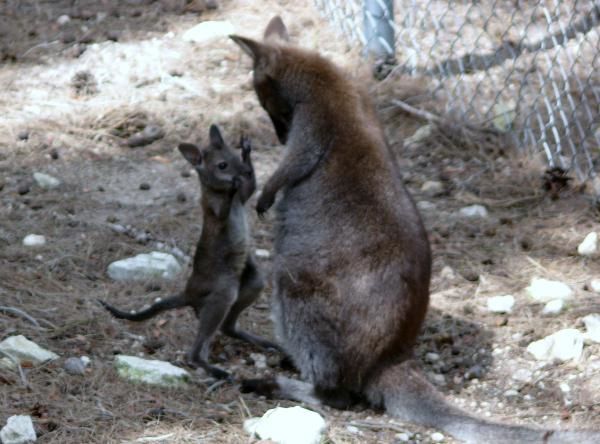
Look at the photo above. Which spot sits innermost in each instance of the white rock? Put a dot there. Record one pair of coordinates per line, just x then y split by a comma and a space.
448, 273
544, 290
553, 307
150, 371
589, 246
46, 181
595, 285
63, 20
34, 240
404, 437
145, 266
22, 349
592, 326
293, 425
474, 212
522, 375
260, 360
437, 437
86, 361
564, 387
208, 31
432, 357
18, 430
511, 393
424, 205
501, 304
262, 253
564, 345
354, 430
419, 135
432, 187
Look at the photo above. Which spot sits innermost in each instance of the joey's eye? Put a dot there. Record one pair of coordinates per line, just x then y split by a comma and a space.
222, 165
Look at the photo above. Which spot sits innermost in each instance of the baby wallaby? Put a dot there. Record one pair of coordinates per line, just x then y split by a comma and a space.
225, 278
352, 261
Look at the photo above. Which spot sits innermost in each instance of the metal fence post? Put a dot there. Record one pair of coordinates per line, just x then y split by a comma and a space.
378, 18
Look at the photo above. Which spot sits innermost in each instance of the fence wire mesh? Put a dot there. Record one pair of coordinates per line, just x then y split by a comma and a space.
527, 67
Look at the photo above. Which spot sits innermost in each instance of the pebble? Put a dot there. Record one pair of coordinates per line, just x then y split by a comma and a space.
74, 366
291, 425
592, 326
63, 20
522, 375
260, 360
545, 290
437, 437
501, 304
404, 437
262, 253
46, 181
432, 187
564, 345
553, 307
511, 393
595, 285
474, 212
424, 205
18, 430
589, 245
34, 240
432, 357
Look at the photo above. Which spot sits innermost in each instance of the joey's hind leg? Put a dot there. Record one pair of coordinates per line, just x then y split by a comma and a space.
211, 314
251, 284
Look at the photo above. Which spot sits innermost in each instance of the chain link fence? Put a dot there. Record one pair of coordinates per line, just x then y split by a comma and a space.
527, 67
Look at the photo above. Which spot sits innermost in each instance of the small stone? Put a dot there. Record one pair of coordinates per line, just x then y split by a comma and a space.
432, 357
432, 187
419, 135
22, 349
564, 387
437, 437
475, 372
522, 375
501, 304
74, 366
553, 307
592, 326
150, 371
262, 253
292, 425
589, 246
448, 273
404, 437
595, 285
474, 212
352, 429
86, 361
34, 240
23, 188
18, 430
23, 135
145, 266
260, 360
544, 290
208, 31
564, 345
424, 205
144, 186
63, 20
46, 181
511, 393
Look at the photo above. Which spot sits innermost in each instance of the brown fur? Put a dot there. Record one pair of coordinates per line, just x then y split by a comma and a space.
352, 261
225, 279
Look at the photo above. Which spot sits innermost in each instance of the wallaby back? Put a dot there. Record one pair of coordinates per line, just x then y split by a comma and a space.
352, 261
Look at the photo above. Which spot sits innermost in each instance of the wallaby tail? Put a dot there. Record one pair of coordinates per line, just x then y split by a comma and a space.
159, 306
407, 395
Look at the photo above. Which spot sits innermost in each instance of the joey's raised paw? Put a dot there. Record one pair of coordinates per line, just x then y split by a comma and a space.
265, 201
264, 387
246, 147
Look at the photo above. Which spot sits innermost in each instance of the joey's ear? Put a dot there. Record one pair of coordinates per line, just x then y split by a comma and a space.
215, 137
251, 47
277, 29
191, 153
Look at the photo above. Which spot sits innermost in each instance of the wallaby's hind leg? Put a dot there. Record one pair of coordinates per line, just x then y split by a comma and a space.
211, 314
251, 284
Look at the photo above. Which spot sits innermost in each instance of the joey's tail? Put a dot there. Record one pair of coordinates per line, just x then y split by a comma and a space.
406, 394
159, 306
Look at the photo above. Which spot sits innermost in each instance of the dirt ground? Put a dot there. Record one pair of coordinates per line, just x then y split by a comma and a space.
71, 96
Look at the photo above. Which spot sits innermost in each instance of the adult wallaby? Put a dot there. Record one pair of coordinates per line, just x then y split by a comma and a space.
352, 260
225, 279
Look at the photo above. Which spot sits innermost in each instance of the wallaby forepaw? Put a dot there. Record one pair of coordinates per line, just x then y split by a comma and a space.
265, 201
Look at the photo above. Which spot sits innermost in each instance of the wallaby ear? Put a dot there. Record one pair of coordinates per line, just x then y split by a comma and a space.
191, 153
215, 137
251, 47
276, 28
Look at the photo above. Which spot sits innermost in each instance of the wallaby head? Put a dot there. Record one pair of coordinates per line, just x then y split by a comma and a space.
284, 75
219, 167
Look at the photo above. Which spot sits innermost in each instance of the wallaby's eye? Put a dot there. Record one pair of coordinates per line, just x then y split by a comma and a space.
222, 165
